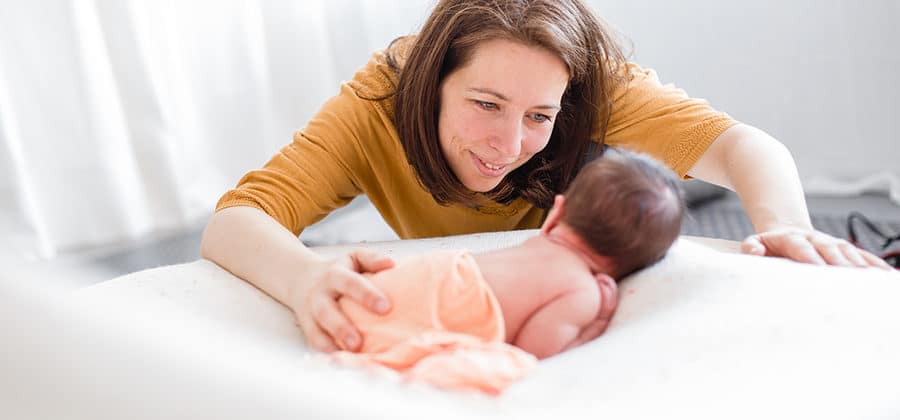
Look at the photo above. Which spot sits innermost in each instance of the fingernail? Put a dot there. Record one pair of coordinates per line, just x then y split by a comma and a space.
350, 341
381, 306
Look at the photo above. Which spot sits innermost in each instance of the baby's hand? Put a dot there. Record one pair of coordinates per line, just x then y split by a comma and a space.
609, 300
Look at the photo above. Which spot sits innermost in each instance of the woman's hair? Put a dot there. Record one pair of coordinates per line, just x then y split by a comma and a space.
626, 206
447, 41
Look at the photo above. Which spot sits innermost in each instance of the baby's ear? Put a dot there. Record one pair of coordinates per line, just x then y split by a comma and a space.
605, 279
555, 214
609, 295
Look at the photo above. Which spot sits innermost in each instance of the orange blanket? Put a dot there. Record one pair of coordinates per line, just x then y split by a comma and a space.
445, 328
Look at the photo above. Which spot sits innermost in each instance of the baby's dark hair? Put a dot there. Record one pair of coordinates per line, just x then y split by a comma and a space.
626, 206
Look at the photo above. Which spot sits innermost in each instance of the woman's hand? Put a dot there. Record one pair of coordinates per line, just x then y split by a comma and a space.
762, 172
810, 246
314, 302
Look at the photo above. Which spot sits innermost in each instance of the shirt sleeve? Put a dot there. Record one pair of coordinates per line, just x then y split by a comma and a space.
662, 120
314, 174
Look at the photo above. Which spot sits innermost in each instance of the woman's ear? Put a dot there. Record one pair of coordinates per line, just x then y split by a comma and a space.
555, 214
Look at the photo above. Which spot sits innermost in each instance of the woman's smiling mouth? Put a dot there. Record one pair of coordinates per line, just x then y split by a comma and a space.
488, 169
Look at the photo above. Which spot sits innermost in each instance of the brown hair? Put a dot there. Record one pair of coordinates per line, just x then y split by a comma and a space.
447, 41
626, 206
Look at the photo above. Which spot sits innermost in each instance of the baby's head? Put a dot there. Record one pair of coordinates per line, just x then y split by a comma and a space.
627, 207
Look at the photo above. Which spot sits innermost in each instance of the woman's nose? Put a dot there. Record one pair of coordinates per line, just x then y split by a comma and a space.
508, 139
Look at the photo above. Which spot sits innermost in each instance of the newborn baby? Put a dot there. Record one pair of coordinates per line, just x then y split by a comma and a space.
481, 321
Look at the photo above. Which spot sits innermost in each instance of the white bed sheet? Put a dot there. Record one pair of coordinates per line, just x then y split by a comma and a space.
706, 333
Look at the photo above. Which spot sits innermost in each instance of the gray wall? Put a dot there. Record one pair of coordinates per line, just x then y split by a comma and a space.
821, 76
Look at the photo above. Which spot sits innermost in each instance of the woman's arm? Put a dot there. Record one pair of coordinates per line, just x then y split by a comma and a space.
763, 174
253, 246
254, 232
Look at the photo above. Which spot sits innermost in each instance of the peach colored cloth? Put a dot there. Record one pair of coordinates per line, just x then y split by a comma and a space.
445, 328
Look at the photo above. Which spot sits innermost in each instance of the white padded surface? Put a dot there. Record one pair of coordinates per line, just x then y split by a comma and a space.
705, 334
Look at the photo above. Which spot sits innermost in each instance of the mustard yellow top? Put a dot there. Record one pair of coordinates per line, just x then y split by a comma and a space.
351, 147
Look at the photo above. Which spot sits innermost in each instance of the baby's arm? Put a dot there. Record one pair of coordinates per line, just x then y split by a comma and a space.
559, 323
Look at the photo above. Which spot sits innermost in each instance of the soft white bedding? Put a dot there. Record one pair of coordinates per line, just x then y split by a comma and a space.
706, 333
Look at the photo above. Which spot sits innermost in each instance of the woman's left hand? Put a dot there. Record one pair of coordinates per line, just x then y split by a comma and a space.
810, 246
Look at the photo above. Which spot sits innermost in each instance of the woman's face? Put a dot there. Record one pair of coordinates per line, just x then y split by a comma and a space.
498, 110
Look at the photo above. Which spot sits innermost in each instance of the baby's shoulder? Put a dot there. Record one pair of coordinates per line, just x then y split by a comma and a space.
569, 284
567, 278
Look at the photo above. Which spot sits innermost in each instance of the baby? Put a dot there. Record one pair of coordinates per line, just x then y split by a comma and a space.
480, 321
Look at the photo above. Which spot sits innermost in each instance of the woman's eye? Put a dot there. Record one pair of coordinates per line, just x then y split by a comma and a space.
540, 118
487, 105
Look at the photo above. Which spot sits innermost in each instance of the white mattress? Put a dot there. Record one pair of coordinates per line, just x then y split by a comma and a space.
705, 334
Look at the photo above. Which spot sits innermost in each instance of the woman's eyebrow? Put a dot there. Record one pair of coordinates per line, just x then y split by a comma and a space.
502, 97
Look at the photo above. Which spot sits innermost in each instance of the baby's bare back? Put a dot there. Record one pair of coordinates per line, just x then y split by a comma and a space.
525, 279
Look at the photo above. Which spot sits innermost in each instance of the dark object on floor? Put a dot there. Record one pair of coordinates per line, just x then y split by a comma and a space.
698, 193
856, 219
723, 217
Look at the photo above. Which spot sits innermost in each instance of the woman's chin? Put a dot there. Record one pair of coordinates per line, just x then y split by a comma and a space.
481, 186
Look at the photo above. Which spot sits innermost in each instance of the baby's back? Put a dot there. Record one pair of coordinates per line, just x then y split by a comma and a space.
526, 280
536, 300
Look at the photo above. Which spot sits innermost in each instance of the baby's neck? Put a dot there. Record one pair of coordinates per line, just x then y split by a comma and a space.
519, 261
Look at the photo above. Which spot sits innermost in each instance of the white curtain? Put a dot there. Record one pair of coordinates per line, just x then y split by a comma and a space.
121, 118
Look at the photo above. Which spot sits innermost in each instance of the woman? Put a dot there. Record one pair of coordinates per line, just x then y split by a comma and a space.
472, 126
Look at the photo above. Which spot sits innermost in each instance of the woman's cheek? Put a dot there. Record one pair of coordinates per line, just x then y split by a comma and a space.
475, 126
537, 142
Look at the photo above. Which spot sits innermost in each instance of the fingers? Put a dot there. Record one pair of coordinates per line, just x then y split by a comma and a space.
853, 254
316, 338
367, 261
812, 247
874, 261
325, 325
860, 257
832, 254
842, 253
343, 282
794, 245
332, 322
753, 245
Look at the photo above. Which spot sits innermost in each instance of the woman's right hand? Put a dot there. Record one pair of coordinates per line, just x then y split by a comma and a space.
268, 256
314, 300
